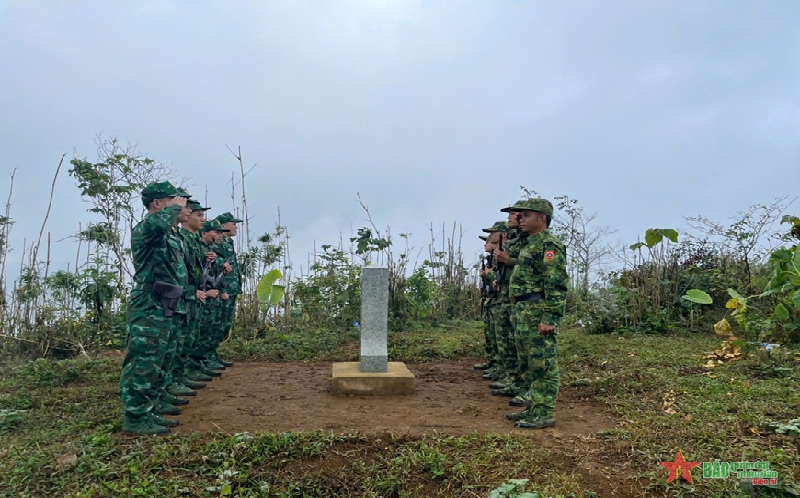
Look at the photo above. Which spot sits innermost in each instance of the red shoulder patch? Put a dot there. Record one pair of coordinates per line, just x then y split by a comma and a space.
549, 255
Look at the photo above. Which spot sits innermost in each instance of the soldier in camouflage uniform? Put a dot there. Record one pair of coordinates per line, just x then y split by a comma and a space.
538, 291
497, 236
158, 263
185, 366
233, 288
512, 386
210, 323
487, 301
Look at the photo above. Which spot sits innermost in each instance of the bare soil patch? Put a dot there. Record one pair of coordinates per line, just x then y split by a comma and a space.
451, 398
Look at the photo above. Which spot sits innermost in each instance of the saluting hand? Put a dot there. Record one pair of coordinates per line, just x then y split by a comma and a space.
178, 200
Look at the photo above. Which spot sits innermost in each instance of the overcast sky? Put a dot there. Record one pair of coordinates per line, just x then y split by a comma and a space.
435, 111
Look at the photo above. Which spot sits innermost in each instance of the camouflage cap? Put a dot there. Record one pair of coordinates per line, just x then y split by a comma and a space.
196, 206
160, 190
500, 226
227, 218
539, 205
516, 205
214, 225
483, 237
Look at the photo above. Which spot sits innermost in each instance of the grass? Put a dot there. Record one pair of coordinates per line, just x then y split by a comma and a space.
66, 441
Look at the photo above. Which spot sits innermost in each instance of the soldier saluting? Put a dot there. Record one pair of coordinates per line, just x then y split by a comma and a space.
159, 279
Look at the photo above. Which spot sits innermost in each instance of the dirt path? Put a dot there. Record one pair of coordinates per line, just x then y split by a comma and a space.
451, 398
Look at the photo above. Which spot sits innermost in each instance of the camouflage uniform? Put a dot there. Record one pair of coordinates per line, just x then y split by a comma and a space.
185, 365
494, 306
209, 323
512, 384
488, 340
540, 269
233, 287
157, 256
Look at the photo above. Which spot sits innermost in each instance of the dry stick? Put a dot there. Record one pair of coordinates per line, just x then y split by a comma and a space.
7, 231
49, 207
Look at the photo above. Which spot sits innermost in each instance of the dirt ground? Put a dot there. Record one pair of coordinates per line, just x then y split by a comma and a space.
451, 398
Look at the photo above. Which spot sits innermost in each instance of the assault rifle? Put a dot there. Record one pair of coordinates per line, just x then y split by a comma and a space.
210, 280
500, 266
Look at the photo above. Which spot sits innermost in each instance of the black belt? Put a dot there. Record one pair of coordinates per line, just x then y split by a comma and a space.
532, 297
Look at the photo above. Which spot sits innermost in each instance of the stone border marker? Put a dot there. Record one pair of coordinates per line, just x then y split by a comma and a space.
374, 319
374, 374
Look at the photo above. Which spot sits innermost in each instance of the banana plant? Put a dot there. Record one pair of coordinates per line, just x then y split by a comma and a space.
696, 296
269, 293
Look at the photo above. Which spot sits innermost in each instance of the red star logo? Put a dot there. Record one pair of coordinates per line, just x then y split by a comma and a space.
681, 464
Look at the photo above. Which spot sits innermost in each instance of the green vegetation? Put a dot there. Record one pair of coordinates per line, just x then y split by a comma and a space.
670, 341
64, 439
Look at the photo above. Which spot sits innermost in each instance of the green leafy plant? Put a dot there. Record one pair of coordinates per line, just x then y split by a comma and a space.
698, 297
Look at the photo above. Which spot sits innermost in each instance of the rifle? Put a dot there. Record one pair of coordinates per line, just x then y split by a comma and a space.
209, 279
500, 266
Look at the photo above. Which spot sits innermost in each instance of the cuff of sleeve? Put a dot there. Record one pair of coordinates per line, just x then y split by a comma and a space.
511, 261
548, 318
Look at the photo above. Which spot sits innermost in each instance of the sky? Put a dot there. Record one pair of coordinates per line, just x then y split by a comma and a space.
434, 111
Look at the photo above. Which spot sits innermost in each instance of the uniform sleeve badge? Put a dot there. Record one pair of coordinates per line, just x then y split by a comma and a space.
549, 255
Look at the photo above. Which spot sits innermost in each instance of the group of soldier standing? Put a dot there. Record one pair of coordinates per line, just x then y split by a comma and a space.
524, 289
181, 307
187, 280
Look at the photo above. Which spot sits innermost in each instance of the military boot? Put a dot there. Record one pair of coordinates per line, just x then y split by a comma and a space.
511, 391
192, 384
173, 400
166, 408
198, 376
179, 389
494, 375
165, 422
521, 400
225, 363
144, 425
503, 383
483, 366
211, 373
538, 422
519, 415
213, 364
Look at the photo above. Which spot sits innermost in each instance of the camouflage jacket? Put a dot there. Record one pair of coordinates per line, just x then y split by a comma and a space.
516, 241
541, 266
233, 280
157, 253
194, 257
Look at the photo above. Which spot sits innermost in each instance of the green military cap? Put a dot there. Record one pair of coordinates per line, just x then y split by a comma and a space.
160, 190
214, 225
516, 206
227, 218
539, 205
500, 226
483, 237
196, 206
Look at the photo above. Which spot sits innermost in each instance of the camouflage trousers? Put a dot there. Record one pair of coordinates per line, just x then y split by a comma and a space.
207, 329
226, 319
505, 340
488, 333
186, 337
143, 378
539, 354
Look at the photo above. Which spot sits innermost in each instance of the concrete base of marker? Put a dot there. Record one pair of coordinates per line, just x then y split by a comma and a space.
349, 379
